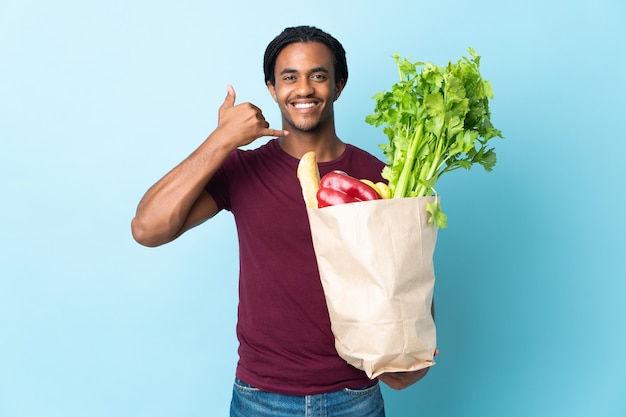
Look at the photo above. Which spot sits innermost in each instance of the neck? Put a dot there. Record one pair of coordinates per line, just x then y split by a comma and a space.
326, 146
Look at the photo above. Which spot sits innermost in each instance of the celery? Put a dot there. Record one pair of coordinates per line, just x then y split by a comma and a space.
437, 120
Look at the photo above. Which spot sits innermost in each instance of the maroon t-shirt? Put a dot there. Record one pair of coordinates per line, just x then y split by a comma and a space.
285, 341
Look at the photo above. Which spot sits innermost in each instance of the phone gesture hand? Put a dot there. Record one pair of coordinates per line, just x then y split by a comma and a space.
244, 121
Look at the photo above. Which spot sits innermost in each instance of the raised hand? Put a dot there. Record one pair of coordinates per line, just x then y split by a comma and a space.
243, 123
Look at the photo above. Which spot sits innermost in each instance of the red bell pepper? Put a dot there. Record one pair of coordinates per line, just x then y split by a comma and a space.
337, 187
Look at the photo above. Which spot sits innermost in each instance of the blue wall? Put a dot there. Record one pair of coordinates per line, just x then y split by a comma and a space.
99, 99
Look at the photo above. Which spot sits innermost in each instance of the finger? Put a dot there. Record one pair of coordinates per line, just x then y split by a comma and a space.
275, 132
259, 115
229, 101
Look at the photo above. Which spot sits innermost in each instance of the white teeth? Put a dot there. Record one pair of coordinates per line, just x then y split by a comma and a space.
304, 105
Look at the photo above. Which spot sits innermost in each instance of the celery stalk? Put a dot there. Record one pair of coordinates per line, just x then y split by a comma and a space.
437, 120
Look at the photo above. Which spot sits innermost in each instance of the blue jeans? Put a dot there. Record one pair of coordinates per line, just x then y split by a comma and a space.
251, 402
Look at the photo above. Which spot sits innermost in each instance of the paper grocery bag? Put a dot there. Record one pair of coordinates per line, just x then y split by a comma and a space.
375, 260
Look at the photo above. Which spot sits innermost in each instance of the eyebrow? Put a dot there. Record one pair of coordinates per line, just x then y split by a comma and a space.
292, 71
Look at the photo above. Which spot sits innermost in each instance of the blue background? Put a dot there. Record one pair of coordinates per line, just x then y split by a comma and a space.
99, 99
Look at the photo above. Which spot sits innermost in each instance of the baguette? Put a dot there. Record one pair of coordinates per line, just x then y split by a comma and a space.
309, 176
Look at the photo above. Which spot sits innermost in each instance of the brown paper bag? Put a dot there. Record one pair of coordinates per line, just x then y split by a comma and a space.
376, 265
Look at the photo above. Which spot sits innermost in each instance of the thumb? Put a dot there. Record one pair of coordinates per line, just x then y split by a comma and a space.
229, 101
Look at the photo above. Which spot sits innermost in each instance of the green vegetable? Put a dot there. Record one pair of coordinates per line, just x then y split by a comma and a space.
437, 120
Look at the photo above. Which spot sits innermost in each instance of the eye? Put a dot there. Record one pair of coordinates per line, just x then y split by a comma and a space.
289, 78
319, 76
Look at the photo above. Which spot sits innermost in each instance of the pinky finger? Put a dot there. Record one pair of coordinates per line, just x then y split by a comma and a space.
274, 132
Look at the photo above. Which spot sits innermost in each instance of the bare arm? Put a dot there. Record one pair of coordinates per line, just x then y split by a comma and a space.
178, 202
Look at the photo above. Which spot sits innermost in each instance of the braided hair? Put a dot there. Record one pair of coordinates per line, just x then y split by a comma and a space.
304, 34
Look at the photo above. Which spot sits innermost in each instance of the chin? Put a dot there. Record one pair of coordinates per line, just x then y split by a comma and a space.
304, 126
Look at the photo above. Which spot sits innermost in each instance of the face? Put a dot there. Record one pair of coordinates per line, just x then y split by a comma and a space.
305, 87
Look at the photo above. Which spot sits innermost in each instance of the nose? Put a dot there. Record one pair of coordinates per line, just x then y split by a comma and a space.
304, 88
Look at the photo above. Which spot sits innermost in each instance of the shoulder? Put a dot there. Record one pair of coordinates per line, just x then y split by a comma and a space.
359, 155
247, 156
355, 150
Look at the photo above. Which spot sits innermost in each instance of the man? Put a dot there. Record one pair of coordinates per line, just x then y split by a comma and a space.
287, 361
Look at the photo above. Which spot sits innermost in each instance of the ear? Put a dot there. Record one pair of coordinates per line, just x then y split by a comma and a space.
272, 90
339, 88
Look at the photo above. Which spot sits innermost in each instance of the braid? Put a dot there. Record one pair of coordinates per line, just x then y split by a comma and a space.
304, 34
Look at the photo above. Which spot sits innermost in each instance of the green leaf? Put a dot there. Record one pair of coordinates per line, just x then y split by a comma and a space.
437, 120
437, 217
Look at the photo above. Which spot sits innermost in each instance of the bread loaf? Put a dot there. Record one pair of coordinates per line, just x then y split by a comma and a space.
309, 176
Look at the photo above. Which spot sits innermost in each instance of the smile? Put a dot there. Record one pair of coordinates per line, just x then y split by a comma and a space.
304, 105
